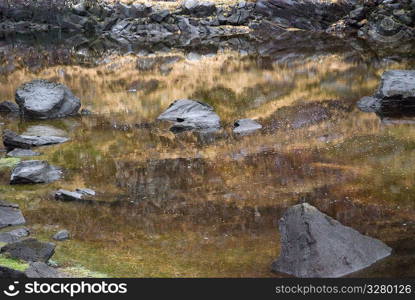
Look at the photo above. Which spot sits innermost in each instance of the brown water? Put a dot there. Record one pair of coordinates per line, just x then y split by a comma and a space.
196, 204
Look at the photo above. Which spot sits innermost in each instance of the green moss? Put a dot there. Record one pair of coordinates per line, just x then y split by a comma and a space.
10, 162
13, 263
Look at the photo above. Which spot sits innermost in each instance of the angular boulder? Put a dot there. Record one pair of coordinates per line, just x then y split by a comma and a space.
34, 171
189, 114
30, 250
14, 235
11, 140
315, 245
42, 99
10, 215
244, 126
395, 94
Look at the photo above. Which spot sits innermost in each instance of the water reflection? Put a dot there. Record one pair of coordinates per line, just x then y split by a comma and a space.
207, 204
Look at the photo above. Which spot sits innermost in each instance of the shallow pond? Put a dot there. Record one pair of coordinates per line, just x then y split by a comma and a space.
208, 204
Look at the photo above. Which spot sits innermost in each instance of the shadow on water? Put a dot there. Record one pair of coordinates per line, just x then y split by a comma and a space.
193, 204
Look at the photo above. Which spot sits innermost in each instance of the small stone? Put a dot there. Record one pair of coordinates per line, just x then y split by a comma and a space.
61, 235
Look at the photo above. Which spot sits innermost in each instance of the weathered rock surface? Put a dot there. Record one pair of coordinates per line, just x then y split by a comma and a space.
41, 99
189, 114
10, 215
395, 93
30, 250
11, 274
34, 171
11, 140
315, 245
42, 270
9, 107
14, 235
61, 235
64, 195
17, 152
199, 9
246, 126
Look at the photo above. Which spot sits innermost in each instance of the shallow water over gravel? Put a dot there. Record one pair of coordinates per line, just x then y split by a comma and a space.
207, 204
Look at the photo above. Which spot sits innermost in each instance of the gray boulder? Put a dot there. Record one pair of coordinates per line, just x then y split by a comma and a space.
61, 235
41, 99
11, 140
29, 250
188, 114
22, 153
246, 126
315, 245
34, 171
199, 9
42, 270
14, 235
10, 215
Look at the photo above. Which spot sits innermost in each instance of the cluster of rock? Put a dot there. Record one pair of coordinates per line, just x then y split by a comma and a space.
315, 245
17, 245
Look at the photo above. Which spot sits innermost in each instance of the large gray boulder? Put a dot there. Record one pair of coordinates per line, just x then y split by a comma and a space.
30, 250
315, 245
10, 215
12, 140
395, 93
34, 171
189, 114
42, 99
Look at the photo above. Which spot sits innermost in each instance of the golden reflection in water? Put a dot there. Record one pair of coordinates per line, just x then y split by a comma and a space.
208, 205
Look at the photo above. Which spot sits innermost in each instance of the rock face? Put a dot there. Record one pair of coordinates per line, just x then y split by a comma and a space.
189, 114
395, 93
34, 171
61, 235
10, 215
315, 245
42, 270
22, 153
246, 126
14, 235
11, 140
41, 99
30, 250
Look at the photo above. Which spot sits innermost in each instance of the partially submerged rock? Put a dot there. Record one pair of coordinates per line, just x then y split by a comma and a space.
14, 235
29, 250
34, 171
11, 140
22, 153
315, 245
189, 114
246, 126
42, 99
10, 215
395, 94
61, 235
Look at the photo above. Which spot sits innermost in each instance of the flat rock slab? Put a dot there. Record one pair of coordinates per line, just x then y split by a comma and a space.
64, 195
22, 153
42, 270
315, 245
397, 83
12, 140
29, 250
190, 114
34, 171
14, 235
42, 99
61, 235
10, 215
246, 126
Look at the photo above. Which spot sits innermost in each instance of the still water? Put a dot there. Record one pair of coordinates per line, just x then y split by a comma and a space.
207, 205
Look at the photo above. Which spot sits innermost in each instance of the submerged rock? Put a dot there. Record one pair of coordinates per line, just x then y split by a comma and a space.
315, 245
41, 99
11, 140
22, 153
395, 94
61, 235
30, 250
189, 114
14, 235
10, 215
246, 126
34, 171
